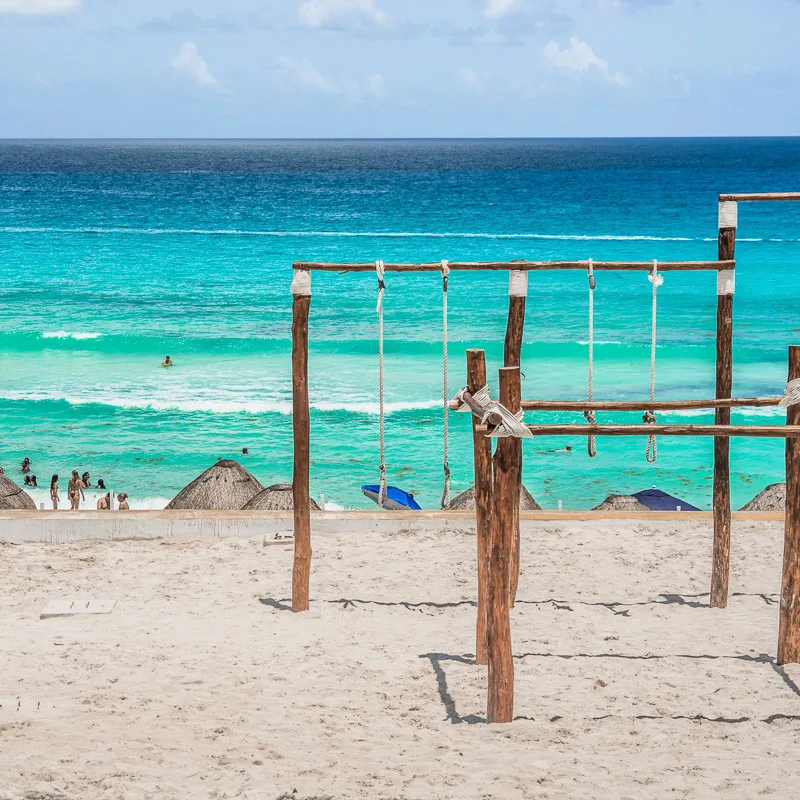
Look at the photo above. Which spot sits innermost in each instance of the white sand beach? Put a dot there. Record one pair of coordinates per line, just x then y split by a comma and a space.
201, 684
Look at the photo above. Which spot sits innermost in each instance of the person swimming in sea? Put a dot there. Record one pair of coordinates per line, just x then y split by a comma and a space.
30, 480
54, 492
101, 484
167, 362
75, 491
87, 481
26, 465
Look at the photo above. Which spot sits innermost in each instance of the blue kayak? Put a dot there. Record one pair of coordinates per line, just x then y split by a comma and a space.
396, 499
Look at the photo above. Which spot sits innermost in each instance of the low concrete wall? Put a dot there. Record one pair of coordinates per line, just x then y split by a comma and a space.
68, 526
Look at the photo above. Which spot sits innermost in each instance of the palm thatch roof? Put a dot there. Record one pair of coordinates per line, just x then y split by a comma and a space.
773, 498
13, 497
620, 502
277, 497
226, 486
466, 501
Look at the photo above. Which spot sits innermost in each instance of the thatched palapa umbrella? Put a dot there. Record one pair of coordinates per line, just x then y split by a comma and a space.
13, 497
621, 502
466, 501
226, 486
773, 498
277, 497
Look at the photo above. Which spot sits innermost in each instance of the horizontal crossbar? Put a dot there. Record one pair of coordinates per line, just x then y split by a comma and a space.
751, 197
526, 266
762, 431
640, 405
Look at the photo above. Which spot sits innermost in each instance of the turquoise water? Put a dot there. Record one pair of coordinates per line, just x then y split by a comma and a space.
114, 254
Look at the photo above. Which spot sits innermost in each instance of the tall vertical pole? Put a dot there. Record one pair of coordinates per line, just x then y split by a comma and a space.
789, 628
500, 705
512, 357
482, 456
728, 213
301, 424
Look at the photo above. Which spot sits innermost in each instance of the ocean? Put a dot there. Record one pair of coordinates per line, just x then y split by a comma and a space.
114, 254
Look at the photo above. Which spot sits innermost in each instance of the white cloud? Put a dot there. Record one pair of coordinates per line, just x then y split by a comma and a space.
189, 61
303, 73
579, 57
500, 8
343, 14
38, 6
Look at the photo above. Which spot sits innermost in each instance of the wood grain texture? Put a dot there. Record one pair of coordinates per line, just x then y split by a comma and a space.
301, 425
720, 564
759, 197
512, 357
482, 455
500, 706
644, 266
576, 429
641, 405
789, 626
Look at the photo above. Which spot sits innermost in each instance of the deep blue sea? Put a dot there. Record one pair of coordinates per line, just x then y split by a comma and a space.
116, 253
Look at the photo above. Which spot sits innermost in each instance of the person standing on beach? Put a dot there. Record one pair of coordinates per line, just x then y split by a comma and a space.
75, 491
104, 503
54, 492
122, 499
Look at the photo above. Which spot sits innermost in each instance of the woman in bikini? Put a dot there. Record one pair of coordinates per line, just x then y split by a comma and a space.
75, 491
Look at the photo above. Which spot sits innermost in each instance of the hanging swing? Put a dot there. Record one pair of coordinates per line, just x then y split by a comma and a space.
649, 418
387, 497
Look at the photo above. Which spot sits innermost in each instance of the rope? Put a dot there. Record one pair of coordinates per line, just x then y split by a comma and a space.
511, 425
445, 395
651, 451
379, 310
791, 394
591, 417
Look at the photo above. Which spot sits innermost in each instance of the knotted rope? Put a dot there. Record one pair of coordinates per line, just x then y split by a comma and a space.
446, 407
791, 394
651, 451
591, 417
511, 423
379, 310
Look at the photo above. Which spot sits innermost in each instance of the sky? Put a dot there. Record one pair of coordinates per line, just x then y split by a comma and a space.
399, 68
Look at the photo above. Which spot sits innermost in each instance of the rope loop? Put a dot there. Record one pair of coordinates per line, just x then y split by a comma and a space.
445, 393
657, 279
591, 417
381, 416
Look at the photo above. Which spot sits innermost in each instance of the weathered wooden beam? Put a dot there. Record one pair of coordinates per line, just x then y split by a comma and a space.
482, 456
789, 626
576, 429
512, 357
720, 568
301, 571
750, 197
526, 266
500, 705
641, 405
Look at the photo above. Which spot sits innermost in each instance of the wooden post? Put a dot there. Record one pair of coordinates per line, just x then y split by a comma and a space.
500, 706
301, 572
789, 628
482, 453
722, 469
512, 357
